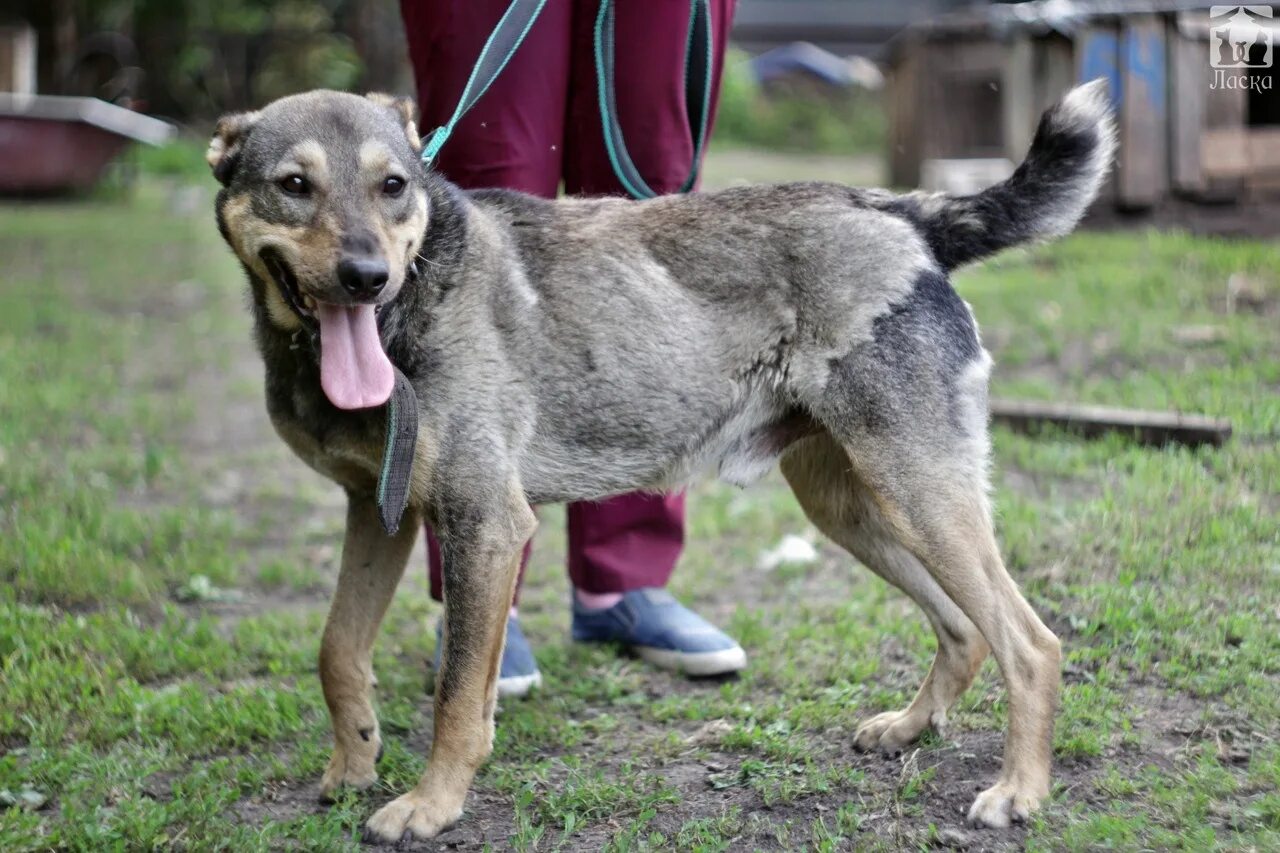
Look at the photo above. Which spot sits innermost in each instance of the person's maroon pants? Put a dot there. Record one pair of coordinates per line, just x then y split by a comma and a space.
538, 125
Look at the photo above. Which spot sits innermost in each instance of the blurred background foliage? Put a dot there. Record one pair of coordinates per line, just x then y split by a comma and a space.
793, 115
191, 60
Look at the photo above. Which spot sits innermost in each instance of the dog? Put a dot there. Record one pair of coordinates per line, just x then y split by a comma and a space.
574, 349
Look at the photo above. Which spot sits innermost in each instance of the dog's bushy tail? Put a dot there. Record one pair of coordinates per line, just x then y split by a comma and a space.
1045, 196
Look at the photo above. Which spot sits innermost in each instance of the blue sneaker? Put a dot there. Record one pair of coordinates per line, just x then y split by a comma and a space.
662, 631
519, 673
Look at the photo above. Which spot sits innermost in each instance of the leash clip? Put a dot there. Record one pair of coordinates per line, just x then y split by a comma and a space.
497, 51
431, 145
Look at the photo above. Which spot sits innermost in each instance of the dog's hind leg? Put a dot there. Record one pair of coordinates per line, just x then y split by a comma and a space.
908, 405
843, 508
481, 546
372, 565
934, 499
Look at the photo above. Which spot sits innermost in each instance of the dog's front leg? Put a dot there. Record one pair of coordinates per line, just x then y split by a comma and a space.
372, 564
481, 550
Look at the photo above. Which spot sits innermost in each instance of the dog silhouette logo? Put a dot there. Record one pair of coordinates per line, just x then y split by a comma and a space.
1240, 37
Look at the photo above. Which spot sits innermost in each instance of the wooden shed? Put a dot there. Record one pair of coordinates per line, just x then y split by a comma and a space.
1197, 123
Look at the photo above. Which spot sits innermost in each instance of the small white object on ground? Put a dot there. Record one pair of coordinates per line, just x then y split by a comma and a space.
199, 588
28, 798
710, 733
792, 550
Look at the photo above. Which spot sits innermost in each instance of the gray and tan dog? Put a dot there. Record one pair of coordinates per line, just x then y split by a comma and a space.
575, 349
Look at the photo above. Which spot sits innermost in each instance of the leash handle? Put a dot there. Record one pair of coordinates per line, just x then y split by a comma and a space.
498, 49
699, 48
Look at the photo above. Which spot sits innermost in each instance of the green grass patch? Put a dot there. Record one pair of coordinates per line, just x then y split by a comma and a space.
162, 587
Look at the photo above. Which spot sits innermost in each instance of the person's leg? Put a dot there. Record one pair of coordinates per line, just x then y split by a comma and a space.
629, 542
633, 541
513, 138
629, 545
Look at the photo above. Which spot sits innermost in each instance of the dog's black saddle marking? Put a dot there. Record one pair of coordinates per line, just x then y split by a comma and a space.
397, 454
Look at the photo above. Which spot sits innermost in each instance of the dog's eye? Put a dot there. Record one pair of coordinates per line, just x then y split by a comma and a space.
295, 185
393, 186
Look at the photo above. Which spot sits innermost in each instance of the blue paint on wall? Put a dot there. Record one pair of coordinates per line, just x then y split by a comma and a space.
1100, 57
1144, 58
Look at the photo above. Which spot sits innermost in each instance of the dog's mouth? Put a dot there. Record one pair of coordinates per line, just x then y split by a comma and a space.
303, 305
355, 372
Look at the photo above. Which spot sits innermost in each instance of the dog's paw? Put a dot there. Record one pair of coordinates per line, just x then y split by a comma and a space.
407, 818
1002, 804
889, 732
351, 768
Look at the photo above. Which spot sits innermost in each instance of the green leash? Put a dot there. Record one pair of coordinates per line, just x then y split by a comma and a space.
510, 33
498, 49
699, 47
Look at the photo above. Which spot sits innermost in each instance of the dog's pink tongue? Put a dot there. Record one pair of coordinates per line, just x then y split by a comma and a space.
354, 371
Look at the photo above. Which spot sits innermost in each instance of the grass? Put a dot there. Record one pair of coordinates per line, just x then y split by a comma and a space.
164, 561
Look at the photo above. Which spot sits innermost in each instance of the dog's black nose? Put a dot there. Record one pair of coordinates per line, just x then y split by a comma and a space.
363, 278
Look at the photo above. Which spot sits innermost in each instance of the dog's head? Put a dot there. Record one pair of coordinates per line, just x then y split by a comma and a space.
324, 201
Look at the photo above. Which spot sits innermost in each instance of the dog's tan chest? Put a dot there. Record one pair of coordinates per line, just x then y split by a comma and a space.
348, 458
353, 459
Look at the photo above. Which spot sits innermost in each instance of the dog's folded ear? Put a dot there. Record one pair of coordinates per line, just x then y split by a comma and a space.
405, 110
224, 147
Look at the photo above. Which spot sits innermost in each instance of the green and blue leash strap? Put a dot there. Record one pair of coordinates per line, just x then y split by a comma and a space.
698, 64
502, 44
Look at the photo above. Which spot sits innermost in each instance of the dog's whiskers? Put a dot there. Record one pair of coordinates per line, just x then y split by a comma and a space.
427, 260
